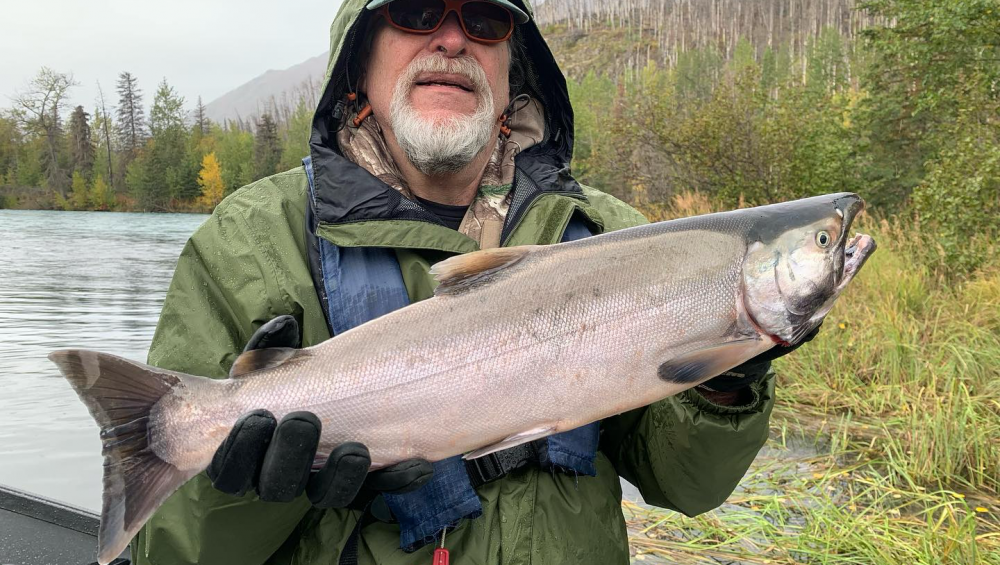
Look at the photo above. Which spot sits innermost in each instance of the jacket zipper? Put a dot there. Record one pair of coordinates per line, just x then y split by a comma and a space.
531, 202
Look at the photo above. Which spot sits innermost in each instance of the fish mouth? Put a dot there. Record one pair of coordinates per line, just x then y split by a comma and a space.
848, 207
856, 252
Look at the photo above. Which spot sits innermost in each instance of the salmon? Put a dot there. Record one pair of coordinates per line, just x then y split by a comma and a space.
523, 342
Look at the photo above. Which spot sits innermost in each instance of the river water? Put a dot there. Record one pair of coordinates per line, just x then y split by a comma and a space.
93, 280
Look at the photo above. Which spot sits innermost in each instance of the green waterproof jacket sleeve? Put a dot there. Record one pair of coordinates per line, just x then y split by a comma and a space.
685, 453
218, 296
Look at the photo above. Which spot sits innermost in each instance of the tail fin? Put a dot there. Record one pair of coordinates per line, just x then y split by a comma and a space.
120, 394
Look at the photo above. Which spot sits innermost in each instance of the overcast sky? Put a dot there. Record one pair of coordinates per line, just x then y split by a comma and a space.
202, 47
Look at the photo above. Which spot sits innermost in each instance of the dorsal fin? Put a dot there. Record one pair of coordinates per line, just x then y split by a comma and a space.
462, 272
258, 359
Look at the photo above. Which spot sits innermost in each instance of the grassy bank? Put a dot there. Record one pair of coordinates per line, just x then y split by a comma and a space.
899, 393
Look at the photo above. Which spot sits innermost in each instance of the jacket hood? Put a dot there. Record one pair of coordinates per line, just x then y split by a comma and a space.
351, 193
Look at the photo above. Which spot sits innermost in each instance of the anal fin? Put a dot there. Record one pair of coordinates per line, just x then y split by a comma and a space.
700, 365
511, 441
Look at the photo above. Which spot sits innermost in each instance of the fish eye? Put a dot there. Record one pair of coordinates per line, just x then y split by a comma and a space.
823, 238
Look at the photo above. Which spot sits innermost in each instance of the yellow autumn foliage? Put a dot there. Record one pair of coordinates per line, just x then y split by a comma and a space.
210, 181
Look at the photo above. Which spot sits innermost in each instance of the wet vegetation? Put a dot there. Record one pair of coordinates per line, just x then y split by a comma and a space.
886, 434
885, 442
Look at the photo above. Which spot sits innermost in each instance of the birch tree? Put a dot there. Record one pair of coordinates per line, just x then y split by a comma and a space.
38, 109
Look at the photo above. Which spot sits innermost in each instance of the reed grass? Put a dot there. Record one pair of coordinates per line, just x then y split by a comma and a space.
902, 389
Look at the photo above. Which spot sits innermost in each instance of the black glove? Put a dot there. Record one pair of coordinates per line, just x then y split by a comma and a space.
275, 458
753, 370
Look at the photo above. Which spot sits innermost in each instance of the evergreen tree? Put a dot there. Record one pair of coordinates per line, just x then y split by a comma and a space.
201, 121
78, 198
168, 150
131, 116
267, 147
142, 183
81, 145
167, 111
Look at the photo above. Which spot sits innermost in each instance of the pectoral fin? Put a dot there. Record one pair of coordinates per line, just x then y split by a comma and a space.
511, 441
698, 366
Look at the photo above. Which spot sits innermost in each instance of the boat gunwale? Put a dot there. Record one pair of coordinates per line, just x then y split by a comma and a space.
50, 511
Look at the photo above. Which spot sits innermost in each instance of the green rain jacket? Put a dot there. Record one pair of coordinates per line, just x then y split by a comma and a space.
250, 262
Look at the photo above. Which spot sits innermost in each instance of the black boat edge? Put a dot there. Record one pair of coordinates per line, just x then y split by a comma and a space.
35, 530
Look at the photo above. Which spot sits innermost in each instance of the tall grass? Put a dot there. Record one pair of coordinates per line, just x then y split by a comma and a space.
903, 385
914, 360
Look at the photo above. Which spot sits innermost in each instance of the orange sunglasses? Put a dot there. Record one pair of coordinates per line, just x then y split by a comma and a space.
484, 22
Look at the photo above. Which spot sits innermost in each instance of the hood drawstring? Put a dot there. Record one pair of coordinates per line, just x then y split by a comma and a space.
363, 113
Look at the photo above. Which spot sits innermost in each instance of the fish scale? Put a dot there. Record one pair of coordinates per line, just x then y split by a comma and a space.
522, 343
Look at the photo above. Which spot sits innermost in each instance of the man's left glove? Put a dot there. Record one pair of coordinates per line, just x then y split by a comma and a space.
749, 372
275, 458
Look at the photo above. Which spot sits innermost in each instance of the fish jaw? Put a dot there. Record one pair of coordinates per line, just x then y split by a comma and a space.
856, 254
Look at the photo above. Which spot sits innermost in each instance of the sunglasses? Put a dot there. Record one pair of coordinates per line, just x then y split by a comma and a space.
484, 22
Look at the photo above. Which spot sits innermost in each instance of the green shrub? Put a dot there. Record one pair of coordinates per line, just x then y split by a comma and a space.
959, 200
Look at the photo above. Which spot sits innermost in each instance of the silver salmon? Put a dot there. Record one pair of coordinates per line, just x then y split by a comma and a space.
523, 342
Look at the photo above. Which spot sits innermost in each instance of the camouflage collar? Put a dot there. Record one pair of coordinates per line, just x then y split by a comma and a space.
365, 146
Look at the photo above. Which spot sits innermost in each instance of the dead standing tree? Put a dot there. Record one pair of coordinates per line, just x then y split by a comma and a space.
106, 119
663, 28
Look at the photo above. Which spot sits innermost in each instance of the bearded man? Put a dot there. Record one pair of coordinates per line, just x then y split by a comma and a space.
444, 127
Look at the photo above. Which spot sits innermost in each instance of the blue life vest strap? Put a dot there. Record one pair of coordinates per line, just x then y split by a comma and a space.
363, 283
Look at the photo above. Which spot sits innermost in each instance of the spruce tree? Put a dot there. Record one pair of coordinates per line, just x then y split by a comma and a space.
267, 147
201, 121
81, 146
169, 179
131, 117
168, 110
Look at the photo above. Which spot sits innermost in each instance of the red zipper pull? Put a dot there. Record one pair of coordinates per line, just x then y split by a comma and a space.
441, 554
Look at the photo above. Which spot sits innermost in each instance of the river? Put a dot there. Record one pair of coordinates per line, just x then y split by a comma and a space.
93, 280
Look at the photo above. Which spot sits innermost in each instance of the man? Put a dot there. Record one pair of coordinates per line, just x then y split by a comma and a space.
444, 127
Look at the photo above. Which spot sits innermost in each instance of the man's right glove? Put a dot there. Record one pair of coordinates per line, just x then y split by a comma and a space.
275, 458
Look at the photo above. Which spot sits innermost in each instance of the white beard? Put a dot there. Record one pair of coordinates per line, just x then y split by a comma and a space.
438, 147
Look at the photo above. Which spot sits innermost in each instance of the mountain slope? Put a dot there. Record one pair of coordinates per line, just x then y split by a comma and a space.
607, 36
269, 89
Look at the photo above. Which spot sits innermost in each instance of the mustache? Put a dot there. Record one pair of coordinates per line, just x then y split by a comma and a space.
467, 67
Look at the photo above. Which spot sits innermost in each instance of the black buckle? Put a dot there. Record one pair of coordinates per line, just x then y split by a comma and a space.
489, 468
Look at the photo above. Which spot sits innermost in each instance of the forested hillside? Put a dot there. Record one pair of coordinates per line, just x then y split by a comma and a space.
895, 100
660, 31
